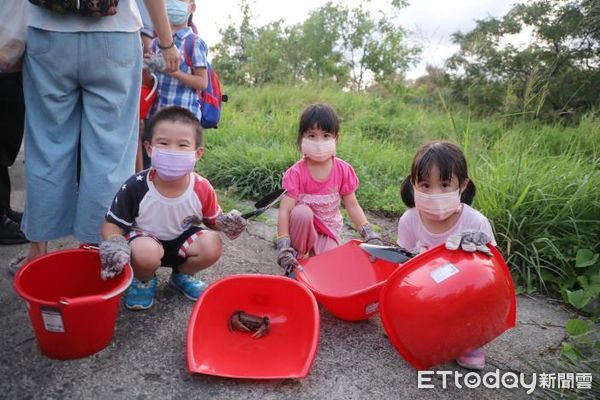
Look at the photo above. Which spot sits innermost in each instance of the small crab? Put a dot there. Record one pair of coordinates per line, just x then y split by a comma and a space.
244, 322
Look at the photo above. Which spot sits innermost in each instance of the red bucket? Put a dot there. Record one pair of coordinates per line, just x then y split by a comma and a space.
443, 303
147, 94
345, 281
72, 310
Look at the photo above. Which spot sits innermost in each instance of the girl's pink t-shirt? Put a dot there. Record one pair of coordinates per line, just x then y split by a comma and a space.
412, 234
324, 197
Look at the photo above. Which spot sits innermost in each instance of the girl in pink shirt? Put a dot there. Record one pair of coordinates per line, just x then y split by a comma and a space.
438, 194
310, 221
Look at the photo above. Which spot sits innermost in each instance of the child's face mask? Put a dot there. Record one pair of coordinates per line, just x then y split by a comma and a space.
177, 11
437, 207
172, 164
318, 150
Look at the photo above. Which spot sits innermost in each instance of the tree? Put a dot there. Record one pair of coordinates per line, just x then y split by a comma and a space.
267, 55
231, 53
320, 35
557, 74
365, 46
335, 43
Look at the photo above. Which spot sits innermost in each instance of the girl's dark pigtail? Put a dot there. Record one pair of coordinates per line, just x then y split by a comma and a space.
469, 194
406, 192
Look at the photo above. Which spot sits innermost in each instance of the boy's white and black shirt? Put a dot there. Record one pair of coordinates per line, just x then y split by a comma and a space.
139, 205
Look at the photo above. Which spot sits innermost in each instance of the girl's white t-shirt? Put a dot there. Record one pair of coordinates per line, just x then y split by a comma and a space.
413, 235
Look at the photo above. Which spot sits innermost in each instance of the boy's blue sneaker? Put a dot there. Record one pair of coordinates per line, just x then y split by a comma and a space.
191, 287
140, 295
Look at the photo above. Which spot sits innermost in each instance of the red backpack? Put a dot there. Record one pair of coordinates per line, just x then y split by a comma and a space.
211, 98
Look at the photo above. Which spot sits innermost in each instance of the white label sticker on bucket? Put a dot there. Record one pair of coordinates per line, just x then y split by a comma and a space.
52, 320
444, 272
371, 308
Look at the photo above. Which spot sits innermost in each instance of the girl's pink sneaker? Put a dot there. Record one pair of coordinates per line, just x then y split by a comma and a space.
474, 359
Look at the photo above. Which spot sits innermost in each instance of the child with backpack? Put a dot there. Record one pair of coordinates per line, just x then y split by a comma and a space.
181, 87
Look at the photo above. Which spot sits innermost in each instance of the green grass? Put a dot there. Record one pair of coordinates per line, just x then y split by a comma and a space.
538, 184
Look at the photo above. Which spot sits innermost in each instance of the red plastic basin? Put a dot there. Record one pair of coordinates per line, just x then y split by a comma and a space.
442, 303
345, 281
72, 310
287, 351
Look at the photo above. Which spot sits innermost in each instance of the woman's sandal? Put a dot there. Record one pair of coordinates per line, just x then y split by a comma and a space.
16, 263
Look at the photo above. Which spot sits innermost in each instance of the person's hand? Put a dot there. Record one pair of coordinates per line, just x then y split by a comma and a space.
114, 254
231, 224
287, 256
172, 59
369, 235
175, 73
153, 63
421, 247
470, 241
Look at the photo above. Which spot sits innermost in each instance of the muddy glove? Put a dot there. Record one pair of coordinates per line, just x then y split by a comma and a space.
231, 224
114, 254
420, 247
369, 235
287, 256
470, 241
154, 63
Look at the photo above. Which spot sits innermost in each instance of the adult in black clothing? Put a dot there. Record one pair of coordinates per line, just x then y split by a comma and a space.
12, 117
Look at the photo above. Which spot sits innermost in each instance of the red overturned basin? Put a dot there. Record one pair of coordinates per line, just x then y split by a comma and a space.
442, 303
345, 281
287, 351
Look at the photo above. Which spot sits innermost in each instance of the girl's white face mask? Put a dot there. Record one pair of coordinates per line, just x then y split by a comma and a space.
437, 207
318, 150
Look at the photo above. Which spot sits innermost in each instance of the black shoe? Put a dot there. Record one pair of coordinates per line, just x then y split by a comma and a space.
14, 215
10, 233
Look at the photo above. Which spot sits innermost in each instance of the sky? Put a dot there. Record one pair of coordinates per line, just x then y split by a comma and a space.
429, 22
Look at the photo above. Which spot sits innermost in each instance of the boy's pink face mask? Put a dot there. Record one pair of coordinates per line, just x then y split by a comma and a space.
318, 150
172, 164
437, 207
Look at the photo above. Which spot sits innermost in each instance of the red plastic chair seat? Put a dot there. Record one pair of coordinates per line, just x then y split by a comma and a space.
287, 351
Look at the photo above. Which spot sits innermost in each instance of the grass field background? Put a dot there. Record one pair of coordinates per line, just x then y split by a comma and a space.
538, 184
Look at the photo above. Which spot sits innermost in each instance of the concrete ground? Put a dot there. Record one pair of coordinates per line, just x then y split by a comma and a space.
146, 358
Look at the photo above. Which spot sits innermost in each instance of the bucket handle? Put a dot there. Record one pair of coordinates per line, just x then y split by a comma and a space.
154, 86
117, 291
67, 301
121, 289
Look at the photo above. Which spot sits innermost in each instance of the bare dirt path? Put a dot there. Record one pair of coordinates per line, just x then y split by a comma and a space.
147, 358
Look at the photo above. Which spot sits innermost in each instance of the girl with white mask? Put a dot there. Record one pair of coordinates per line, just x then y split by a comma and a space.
310, 221
438, 193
